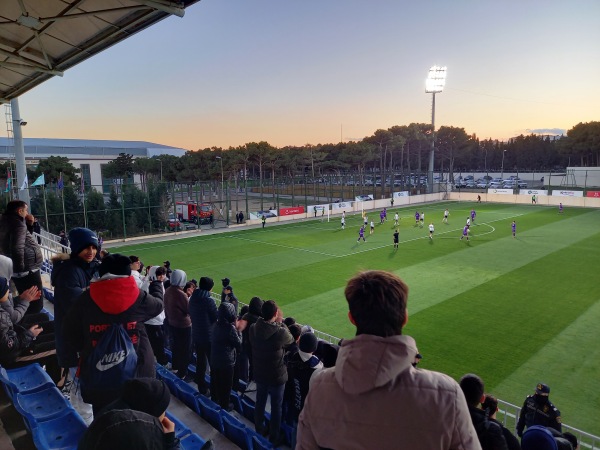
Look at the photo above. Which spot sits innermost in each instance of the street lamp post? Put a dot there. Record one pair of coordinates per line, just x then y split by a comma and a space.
502, 174
222, 177
436, 80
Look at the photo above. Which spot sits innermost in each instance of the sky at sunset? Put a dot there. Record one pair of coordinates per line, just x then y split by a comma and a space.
317, 71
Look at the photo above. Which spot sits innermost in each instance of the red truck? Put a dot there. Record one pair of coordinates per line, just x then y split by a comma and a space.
194, 212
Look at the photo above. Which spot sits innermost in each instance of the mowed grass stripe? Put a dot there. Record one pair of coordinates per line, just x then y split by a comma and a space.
495, 329
572, 359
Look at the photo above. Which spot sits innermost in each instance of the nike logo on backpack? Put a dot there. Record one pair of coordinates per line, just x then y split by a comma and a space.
111, 359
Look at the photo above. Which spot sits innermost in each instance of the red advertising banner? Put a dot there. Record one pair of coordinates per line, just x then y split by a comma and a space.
290, 211
595, 194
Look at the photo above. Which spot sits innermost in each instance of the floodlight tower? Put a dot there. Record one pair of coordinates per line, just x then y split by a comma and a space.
436, 80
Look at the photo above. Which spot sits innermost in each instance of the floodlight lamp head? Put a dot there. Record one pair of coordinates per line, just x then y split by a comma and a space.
22, 123
436, 80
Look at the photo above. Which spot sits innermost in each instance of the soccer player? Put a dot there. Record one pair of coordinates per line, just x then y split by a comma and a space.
465, 233
468, 221
384, 214
473, 214
366, 221
560, 208
372, 227
422, 219
446, 214
396, 218
343, 222
514, 228
417, 219
396, 235
431, 230
381, 217
361, 234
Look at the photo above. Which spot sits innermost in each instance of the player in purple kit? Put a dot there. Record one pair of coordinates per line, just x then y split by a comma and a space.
514, 228
560, 208
381, 217
384, 214
465, 233
473, 214
417, 216
361, 234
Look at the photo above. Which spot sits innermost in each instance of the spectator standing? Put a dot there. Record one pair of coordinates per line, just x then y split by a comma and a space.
248, 319
225, 282
136, 266
226, 343
231, 298
112, 299
489, 433
154, 327
167, 266
64, 241
356, 403
18, 243
241, 217
71, 276
539, 410
203, 313
180, 324
490, 405
269, 337
300, 368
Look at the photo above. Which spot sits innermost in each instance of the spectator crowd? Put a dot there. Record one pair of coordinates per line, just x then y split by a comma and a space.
114, 318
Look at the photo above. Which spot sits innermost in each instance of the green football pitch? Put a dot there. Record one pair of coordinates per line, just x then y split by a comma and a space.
516, 311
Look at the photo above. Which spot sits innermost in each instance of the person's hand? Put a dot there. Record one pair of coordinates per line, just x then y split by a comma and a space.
30, 219
31, 294
168, 426
35, 330
279, 315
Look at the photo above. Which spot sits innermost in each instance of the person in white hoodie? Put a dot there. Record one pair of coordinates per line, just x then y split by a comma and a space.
136, 266
154, 326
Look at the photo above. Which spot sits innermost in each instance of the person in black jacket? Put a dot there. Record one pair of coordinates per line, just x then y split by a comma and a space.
226, 342
203, 313
254, 312
230, 297
489, 433
18, 243
539, 410
269, 337
113, 298
490, 405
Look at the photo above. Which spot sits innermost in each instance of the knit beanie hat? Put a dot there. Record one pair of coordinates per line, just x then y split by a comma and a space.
178, 278
3, 286
148, 395
538, 438
80, 238
115, 264
225, 281
206, 284
308, 343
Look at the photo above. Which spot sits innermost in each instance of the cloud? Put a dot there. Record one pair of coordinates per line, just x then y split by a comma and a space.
551, 131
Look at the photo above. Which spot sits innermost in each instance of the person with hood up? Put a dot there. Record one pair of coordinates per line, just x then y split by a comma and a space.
269, 337
374, 397
154, 326
226, 342
203, 312
248, 319
180, 323
114, 298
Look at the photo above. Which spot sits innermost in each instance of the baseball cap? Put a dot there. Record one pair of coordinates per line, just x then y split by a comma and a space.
542, 389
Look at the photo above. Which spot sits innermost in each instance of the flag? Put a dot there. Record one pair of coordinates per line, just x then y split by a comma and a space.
39, 181
82, 184
60, 183
8, 181
25, 184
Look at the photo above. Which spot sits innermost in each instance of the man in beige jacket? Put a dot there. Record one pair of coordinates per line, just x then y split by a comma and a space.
374, 397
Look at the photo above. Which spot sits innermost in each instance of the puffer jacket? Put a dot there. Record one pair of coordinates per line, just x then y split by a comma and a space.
226, 340
13, 338
268, 340
374, 398
203, 312
113, 299
17, 242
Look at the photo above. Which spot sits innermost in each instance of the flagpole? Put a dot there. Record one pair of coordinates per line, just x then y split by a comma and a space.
62, 194
84, 211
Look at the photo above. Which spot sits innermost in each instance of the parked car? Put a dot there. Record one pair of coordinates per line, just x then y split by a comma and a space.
482, 184
522, 185
459, 184
470, 184
173, 223
495, 185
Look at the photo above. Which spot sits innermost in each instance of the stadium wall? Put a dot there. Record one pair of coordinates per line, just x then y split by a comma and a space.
547, 200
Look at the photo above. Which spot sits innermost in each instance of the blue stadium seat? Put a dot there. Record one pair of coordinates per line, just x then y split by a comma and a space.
210, 412
48, 295
236, 401
59, 433
171, 380
181, 429
188, 395
48, 313
191, 442
247, 408
236, 432
169, 354
31, 378
40, 405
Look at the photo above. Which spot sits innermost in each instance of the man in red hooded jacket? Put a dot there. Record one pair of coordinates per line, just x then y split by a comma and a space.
113, 298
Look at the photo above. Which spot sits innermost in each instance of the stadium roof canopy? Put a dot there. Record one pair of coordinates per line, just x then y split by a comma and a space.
40, 39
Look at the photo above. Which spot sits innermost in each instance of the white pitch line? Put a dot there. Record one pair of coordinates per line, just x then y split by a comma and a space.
285, 246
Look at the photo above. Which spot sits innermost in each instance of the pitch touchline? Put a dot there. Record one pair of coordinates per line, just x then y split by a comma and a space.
284, 246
